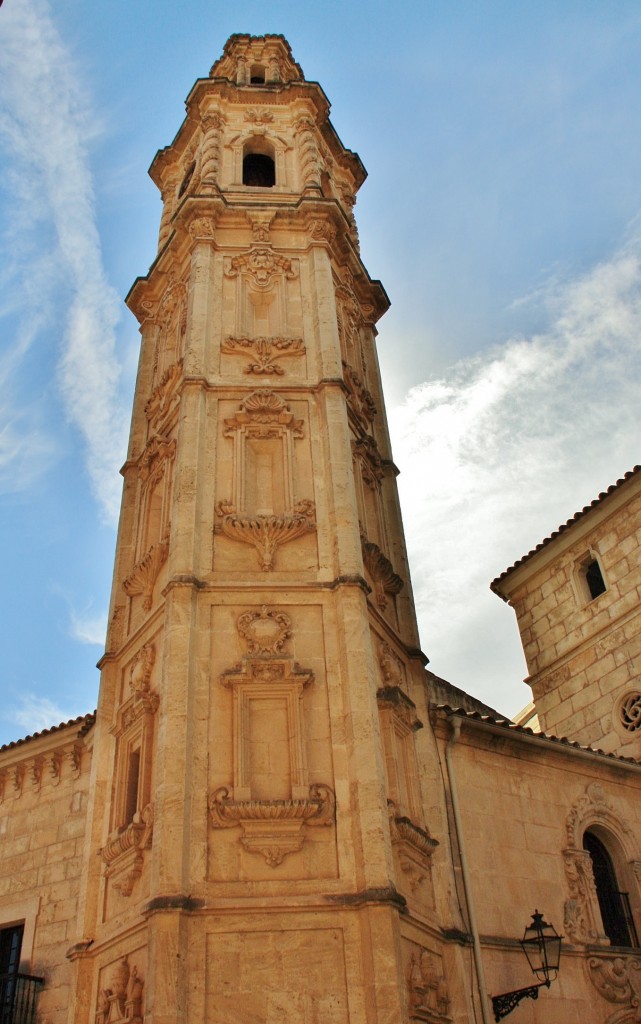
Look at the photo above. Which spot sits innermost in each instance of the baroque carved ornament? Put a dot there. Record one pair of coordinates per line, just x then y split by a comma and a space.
143, 576
272, 828
618, 980
429, 999
581, 917
260, 264
122, 998
264, 417
265, 351
386, 581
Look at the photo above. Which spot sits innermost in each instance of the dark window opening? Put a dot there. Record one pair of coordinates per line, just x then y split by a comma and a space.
133, 776
10, 946
257, 76
259, 171
185, 182
594, 578
613, 904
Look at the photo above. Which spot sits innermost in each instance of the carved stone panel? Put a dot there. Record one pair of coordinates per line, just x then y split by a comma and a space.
427, 988
264, 512
120, 994
303, 977
270, 796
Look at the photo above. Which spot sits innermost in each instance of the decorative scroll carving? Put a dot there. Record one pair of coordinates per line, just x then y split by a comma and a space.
55, 766
581, 915
310, 159
74, 756
261, 265
265, 351
144, 574
273, 828
123, 853
213, 124
263, 407
429, 999
366, 452
391, 667
267, 533
578, 916
202, 228
323, 229
122, 1000
151, 461
381, 570
37, 769
255, 116
360, 400
412, 847
141, 668
265, 631
618, 980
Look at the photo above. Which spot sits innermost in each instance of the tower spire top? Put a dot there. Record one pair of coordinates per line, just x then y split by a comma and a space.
257, 60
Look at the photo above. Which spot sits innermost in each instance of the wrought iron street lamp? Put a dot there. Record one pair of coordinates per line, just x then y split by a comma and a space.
542, 947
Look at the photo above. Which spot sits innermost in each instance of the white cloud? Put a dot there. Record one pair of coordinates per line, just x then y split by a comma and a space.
89, 629
35, 713
505, 447
45, 128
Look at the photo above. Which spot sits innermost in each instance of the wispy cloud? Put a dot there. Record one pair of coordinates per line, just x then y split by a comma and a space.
89, 629
33, 713
505, 447
45, 128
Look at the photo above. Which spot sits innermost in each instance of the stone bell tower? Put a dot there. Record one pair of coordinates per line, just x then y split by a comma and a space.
257, 849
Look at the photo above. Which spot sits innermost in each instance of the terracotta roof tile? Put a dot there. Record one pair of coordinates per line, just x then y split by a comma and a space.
510, 726
84, 722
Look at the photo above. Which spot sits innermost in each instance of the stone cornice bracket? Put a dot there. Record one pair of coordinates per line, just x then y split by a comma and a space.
123, 854
618, 980
198, 216
273, 828
405, 709
144, 574
386, 581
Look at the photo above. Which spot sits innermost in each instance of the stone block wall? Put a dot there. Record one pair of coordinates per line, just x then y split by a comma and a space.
584, 653
44, 785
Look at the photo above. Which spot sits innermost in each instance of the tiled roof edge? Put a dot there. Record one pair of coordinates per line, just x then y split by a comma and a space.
84, 722
494, 585
523, 730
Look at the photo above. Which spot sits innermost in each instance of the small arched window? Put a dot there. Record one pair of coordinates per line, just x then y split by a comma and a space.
259, 170
591, 579
257, 75
613, 904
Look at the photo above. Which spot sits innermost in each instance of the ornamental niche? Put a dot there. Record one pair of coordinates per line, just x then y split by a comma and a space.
132, 818
264, 511
270, 797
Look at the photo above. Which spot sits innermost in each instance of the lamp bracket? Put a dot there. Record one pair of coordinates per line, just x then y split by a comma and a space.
508, 1001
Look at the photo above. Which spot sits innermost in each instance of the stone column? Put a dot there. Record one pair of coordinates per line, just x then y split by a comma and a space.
212, 125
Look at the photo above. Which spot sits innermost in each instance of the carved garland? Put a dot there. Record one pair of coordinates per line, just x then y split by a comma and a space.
265, 351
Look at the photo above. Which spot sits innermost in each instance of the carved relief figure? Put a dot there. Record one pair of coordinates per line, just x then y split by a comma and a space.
122, 999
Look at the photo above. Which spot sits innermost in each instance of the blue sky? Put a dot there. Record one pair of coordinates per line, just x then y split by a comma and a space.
502, 214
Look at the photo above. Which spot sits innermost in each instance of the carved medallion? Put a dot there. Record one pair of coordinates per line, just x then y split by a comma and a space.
265, 631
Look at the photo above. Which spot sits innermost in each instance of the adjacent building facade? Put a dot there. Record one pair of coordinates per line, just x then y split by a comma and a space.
277, 814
